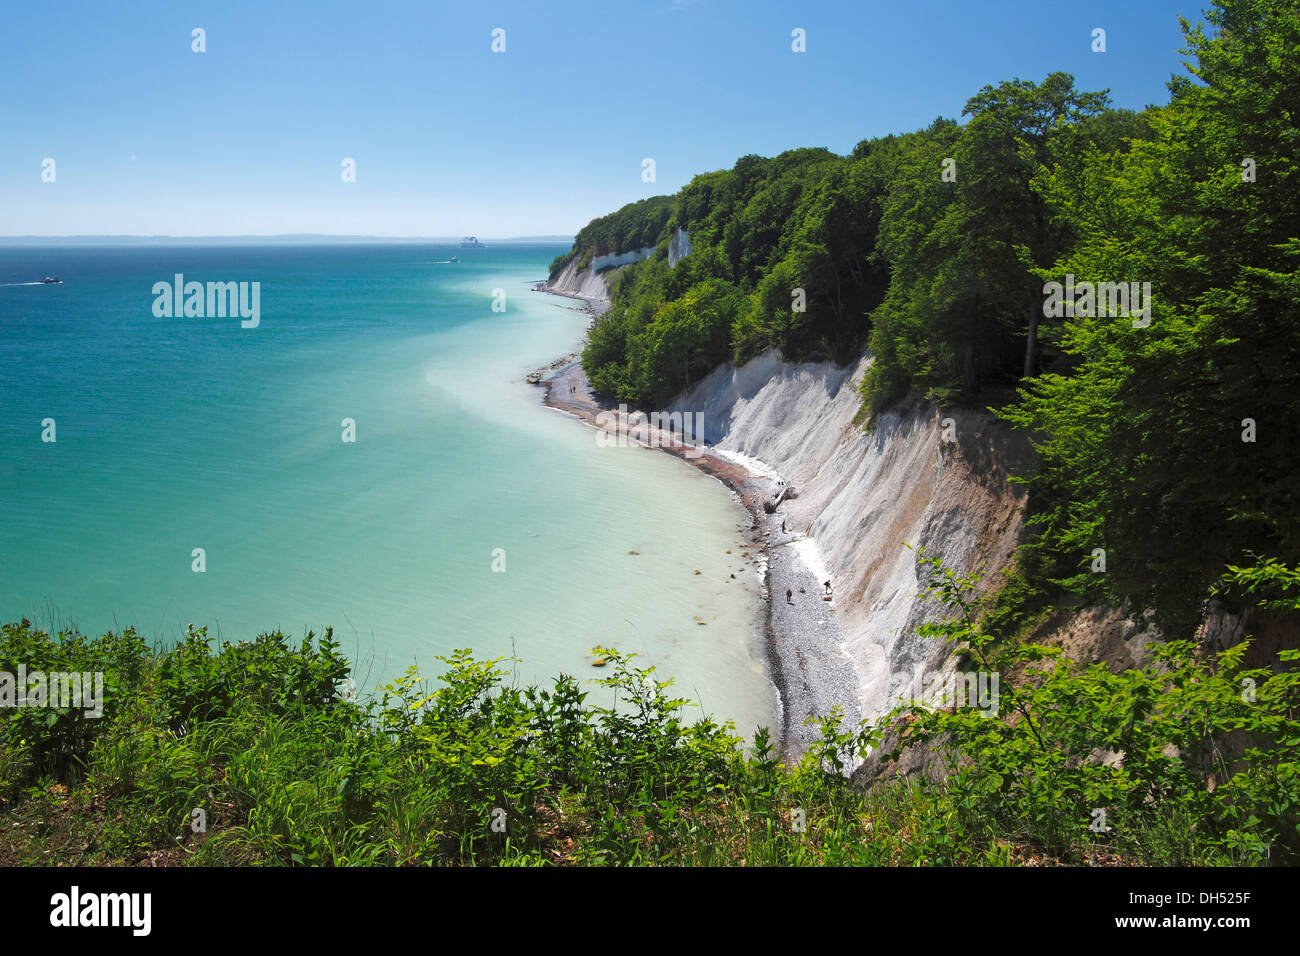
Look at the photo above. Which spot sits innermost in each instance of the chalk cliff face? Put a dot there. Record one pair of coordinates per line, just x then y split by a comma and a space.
613, 260
854, 502
678, 247
585, 284
920, 478
589, 283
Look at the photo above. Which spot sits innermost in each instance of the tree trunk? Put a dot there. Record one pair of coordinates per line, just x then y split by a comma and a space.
969, 364
1031, 344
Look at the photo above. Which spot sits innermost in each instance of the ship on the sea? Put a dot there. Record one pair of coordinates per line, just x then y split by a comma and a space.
471, 242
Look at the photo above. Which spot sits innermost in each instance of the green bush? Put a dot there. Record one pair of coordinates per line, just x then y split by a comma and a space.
288, 771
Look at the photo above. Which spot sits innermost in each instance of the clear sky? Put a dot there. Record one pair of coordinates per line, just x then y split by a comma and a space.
149, 137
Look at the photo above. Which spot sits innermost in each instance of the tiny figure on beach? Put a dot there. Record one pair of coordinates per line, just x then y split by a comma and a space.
827, 586
789, 594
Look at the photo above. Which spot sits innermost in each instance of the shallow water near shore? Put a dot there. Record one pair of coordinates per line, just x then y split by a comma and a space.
176, 434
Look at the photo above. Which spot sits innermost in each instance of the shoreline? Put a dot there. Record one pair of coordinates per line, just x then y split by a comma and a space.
802, 640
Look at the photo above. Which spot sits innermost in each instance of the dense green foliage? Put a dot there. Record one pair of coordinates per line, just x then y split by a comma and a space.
816, 253
923, 244
806, 219
1141, 430
1190, 744
288, 770
635, 226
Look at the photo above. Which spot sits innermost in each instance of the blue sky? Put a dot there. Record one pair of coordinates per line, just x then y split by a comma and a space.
150, 138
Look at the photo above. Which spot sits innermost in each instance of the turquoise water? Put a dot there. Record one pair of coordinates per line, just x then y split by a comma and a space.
183, 433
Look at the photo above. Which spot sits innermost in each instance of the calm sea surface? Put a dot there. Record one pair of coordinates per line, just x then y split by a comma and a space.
182, 433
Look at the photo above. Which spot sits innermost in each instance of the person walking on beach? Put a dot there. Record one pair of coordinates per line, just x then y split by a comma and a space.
827, 586
789, 594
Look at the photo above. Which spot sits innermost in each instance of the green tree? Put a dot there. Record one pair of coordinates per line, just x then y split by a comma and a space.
1144, 439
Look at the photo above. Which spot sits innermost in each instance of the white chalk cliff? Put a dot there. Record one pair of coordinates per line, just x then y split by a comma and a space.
679, 246
861, 497
584, 284
590, 284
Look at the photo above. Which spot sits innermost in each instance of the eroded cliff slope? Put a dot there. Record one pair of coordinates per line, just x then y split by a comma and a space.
920, 478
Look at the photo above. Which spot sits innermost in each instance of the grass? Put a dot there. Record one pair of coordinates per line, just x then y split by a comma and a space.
251, 754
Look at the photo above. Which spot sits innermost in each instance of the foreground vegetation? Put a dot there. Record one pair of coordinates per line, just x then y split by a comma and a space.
253, 753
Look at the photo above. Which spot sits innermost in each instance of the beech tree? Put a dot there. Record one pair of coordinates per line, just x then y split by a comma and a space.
1171, 445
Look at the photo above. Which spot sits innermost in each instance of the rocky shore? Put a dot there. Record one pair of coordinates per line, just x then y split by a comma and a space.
806, 657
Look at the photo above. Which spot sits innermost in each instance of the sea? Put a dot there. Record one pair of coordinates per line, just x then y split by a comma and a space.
367, 456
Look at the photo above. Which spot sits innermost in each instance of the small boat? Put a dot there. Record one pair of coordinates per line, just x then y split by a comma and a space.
471, 242
51, 280
454, 259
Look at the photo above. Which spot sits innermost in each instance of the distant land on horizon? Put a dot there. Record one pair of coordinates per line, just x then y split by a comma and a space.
255, 240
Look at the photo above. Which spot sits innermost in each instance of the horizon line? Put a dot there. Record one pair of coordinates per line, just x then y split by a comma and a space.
551, 237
